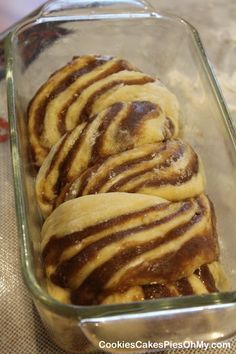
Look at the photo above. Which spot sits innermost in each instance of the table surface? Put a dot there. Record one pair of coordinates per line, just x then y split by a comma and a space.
21, 329
11, 11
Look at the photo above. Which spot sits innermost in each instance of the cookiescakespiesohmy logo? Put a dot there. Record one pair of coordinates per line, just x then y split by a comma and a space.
164, 345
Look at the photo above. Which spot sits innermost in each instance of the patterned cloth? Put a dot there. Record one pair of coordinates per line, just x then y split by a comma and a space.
21, 329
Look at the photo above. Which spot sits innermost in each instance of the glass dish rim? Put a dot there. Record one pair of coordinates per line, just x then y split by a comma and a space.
39, 294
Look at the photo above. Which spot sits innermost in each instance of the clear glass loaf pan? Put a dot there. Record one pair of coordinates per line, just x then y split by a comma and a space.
163, 46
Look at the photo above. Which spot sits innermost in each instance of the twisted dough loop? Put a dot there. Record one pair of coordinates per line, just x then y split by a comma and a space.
102, 244
118, 128
170, 170
79, 90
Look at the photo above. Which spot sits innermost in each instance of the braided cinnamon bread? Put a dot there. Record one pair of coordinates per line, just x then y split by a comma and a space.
106, 137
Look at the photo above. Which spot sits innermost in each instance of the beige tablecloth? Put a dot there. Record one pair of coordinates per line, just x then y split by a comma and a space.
21, 331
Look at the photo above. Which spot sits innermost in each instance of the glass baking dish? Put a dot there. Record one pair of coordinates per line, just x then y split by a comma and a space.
160, 45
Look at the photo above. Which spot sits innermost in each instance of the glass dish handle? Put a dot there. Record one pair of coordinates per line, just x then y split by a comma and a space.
134, 331
55, 8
